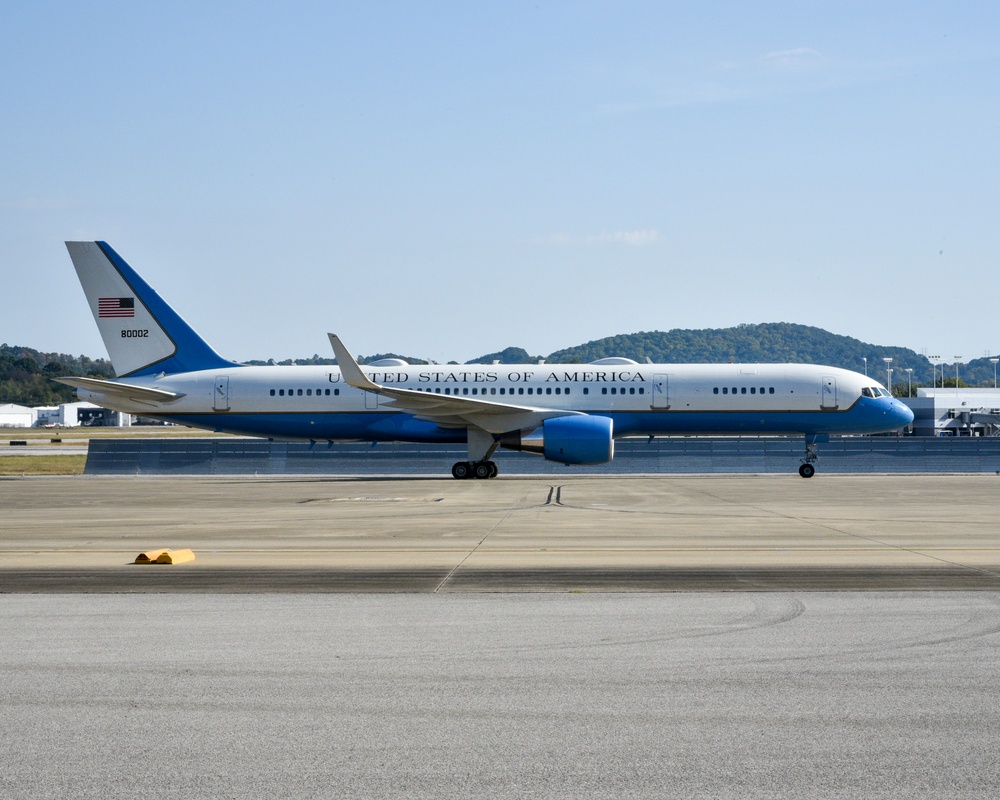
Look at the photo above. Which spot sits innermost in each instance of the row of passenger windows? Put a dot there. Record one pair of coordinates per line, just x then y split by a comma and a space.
622, 390
493, 390
301, 392
501, 390
743, 390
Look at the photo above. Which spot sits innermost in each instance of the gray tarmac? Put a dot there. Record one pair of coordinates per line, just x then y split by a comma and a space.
721, 695
547, 533
524, 637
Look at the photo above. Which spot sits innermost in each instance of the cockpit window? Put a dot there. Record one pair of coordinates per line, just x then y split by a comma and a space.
866, 392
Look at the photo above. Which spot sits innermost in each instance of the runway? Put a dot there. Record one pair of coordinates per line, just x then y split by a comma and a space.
543, 533
721, 695
586, 637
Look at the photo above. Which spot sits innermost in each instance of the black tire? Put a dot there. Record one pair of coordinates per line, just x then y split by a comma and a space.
807, 470
494, 470
461, 470
482, 470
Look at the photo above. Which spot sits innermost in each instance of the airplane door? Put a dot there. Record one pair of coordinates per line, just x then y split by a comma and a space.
661, 393
221, 400
829, 393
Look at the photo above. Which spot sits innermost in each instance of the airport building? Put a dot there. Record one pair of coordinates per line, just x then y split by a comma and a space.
955, 412
72, 415
14, 416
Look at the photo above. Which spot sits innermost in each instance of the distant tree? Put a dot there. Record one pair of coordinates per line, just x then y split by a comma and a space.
509, 355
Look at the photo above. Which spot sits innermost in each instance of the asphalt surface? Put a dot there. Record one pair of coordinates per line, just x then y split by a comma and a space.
523, 637
629, 533
721, 695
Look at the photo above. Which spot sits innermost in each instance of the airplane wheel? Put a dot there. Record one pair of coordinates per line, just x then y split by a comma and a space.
807, 470
461, 470
482, 470
494, 469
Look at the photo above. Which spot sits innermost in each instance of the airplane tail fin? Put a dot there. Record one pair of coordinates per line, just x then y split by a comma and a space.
143, 335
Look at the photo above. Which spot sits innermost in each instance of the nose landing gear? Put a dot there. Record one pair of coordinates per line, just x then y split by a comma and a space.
806, 469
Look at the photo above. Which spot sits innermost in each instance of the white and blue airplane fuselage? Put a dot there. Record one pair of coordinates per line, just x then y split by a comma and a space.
570, 413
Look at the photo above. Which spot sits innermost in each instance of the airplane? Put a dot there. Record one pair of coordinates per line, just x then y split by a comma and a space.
567, 413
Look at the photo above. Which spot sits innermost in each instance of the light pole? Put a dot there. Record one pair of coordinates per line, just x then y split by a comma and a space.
956, 373
934, 362
865, 359
888, 373
909, 381
994, 361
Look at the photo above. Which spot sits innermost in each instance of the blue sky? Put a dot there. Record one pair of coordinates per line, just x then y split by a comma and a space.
447, 179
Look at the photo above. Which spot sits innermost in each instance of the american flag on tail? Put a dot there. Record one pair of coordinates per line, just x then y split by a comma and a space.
115, 307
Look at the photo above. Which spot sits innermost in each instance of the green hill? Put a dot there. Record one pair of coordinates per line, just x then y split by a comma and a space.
775, 342
26, 375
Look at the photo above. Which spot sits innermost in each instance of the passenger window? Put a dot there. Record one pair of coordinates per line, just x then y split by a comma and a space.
272, 393
548, 390
567, 390
770, 390
281, 392
642, 390
614, 390
753, 390
520, 390
715, 390
493, 390
631, 390
743, 390
725, 390
309, 392
586, 390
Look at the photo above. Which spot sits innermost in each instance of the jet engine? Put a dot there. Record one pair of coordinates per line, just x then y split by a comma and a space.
568, 440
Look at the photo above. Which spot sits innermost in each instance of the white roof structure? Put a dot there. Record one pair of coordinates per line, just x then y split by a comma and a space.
14, 416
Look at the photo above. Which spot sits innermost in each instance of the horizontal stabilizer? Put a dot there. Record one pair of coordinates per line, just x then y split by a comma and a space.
123, 391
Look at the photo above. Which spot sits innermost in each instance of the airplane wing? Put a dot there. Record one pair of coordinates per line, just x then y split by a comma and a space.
121, 391
448, 411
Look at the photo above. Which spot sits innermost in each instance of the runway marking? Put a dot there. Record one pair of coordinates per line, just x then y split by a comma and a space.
555, 496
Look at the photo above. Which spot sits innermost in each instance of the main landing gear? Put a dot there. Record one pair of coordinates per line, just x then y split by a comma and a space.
482, 446
479, 469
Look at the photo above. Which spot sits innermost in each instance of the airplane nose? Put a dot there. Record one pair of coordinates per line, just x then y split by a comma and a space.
901, 413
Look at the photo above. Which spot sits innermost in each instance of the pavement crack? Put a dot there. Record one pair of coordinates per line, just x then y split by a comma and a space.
479, 544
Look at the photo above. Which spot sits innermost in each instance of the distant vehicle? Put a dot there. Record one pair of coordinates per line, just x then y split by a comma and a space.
568, 413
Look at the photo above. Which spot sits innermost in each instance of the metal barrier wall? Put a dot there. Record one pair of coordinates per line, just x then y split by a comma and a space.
661, 455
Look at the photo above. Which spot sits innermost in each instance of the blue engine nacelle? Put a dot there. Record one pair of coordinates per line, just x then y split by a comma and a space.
569, 440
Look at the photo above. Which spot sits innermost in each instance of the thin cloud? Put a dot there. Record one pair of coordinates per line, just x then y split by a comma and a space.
795, 58
638, 238
40, 204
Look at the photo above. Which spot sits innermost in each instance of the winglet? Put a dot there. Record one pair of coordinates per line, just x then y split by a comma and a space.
349, 367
